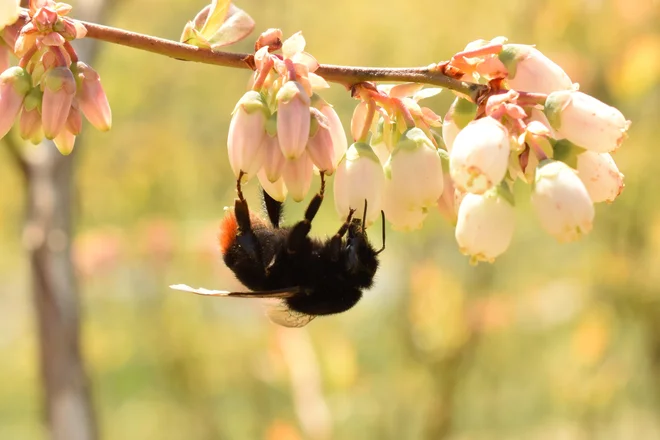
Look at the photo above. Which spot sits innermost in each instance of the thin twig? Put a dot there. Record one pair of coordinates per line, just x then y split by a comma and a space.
346, 75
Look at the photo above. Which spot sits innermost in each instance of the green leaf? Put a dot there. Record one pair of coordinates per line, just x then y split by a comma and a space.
237, 26
216, 18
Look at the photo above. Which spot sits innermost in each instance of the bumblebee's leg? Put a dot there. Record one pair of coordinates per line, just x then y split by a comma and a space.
300, 230
273, 209
335, 241
245, 236
382, 216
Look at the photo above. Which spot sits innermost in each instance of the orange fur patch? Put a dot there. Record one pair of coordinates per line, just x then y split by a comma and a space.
228, 230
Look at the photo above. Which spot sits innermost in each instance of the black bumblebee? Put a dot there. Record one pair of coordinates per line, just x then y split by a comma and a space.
308, 276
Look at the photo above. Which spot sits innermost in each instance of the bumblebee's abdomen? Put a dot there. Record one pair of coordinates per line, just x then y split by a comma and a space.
325, 300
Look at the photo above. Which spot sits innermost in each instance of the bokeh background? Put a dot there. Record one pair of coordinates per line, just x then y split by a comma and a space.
550, 342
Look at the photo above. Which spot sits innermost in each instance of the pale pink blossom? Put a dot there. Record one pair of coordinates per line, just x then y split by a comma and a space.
480, 155
586, 121
485, 226
339, 141
531, 71
273, 158
293, 119
562, 202
297, 175
359, 177
321, 150
247, 132
91, 97
600, 176
276, 189
15, 83
398, 213
415, 169
59, 88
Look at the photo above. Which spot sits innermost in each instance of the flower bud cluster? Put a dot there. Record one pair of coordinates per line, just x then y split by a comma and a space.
281, 130
50, 89
534, 125
400, 151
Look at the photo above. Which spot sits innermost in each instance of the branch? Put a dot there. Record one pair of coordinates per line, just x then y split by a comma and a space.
346, 75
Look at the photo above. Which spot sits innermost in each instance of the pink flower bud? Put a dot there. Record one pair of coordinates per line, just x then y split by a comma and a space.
15, 83
92, 99
30, 122
485, 226
247, 134
273, 159
64, 141
460, 114
415, 169
320, 150
74, 120
276, 189
586, 121
30, 126
531, 71
9, 10
359, 177
293, 119
359, 119
562, 201
480, 155
59, 88
600, 176
339, 142
297, 174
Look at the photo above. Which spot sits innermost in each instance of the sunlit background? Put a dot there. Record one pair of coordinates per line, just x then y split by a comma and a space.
550, 342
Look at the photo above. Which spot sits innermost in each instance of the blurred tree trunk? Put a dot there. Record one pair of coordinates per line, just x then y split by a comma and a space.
68, 406
47, 234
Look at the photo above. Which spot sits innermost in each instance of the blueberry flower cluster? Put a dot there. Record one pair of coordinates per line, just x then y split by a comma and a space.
281, 130
50, 89
532, 124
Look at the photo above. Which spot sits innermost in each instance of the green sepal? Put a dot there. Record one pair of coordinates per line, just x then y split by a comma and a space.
444, 157
271, 125
251, 102
554, 105
361, 150
464, 112
504, 191
510, 55
33, 99
567, 152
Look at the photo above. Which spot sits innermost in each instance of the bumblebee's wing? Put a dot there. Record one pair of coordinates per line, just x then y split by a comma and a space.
277, 293
279, 313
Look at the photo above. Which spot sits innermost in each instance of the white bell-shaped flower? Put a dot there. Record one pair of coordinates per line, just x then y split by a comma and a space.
480, 156
562, 202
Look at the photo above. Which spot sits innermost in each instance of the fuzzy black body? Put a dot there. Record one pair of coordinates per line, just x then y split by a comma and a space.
326, 277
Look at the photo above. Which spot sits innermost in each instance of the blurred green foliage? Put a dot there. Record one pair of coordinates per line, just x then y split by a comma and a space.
552, 341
